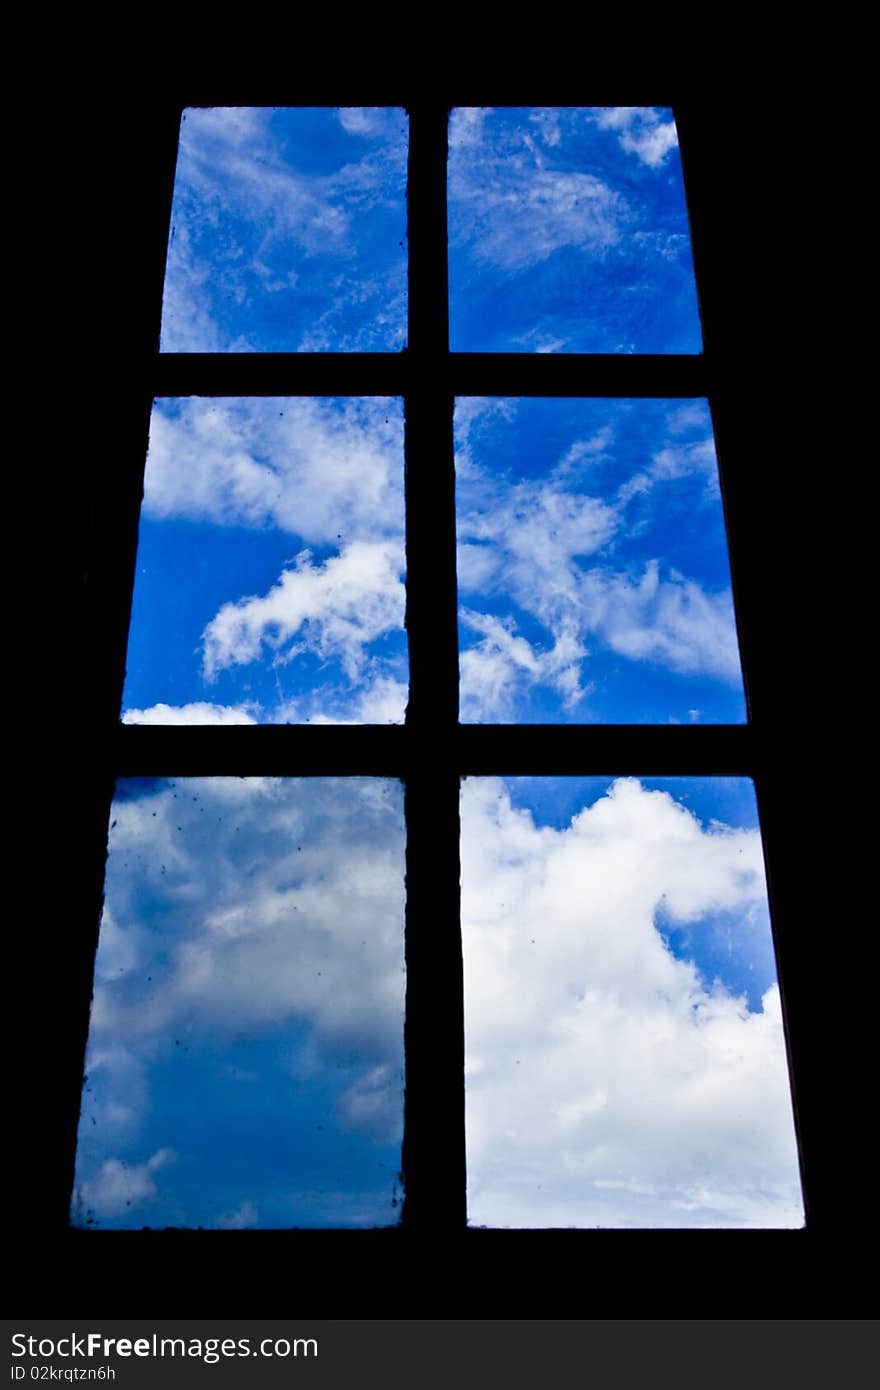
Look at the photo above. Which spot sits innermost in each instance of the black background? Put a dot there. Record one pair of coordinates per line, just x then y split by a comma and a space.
767, 195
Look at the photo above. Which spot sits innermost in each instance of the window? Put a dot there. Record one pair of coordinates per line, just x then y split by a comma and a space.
432, 752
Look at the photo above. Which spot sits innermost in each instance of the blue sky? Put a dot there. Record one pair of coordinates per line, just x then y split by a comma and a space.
288, 232
594, 583
270, 566
625, 1055
568, 232
593, 576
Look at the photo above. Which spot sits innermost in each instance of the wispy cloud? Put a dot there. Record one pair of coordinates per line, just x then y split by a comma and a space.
568, 232
281, 216
337, 608
511, 207
562, 560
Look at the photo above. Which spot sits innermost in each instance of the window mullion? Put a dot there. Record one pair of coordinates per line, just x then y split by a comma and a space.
433, 1153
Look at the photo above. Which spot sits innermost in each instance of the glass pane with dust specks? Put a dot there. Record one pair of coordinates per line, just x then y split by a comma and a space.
269, 586
593, 575
626, 1063
288, 231
245, 1055
568, 232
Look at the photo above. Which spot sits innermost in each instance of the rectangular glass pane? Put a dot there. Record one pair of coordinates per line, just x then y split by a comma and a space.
288, 228
245, 1055
593, 575
270, 566
568, 232
626, 1062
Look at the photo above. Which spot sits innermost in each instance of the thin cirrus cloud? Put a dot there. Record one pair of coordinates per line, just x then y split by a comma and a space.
287, 231
270, 575
625, 1053
568, 232
245, 1057
592, 563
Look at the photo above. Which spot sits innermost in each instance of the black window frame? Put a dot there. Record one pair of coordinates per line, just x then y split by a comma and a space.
431, 753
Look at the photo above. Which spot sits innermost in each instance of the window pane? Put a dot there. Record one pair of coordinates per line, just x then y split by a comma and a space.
625, 1055
245, 1057
270, 584
568, 232
594, 584
287, 231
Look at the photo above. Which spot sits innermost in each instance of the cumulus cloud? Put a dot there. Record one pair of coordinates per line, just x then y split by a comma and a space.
642, 131
340, 607
197, 712
328, 473
321, 470
609, 1081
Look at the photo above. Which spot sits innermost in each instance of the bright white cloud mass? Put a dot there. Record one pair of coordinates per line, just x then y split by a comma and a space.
245, 1059
612, 1079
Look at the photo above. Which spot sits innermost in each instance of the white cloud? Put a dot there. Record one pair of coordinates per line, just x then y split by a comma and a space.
247, 223
248, 902
321, 470
642, 131
361, 120
199, 712
674, 461
608, 1084
511, 205
377, 699
518, 215
673, 621
339, 608
545, 549
466, 125
119, 1186
494, 672
372, 1104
